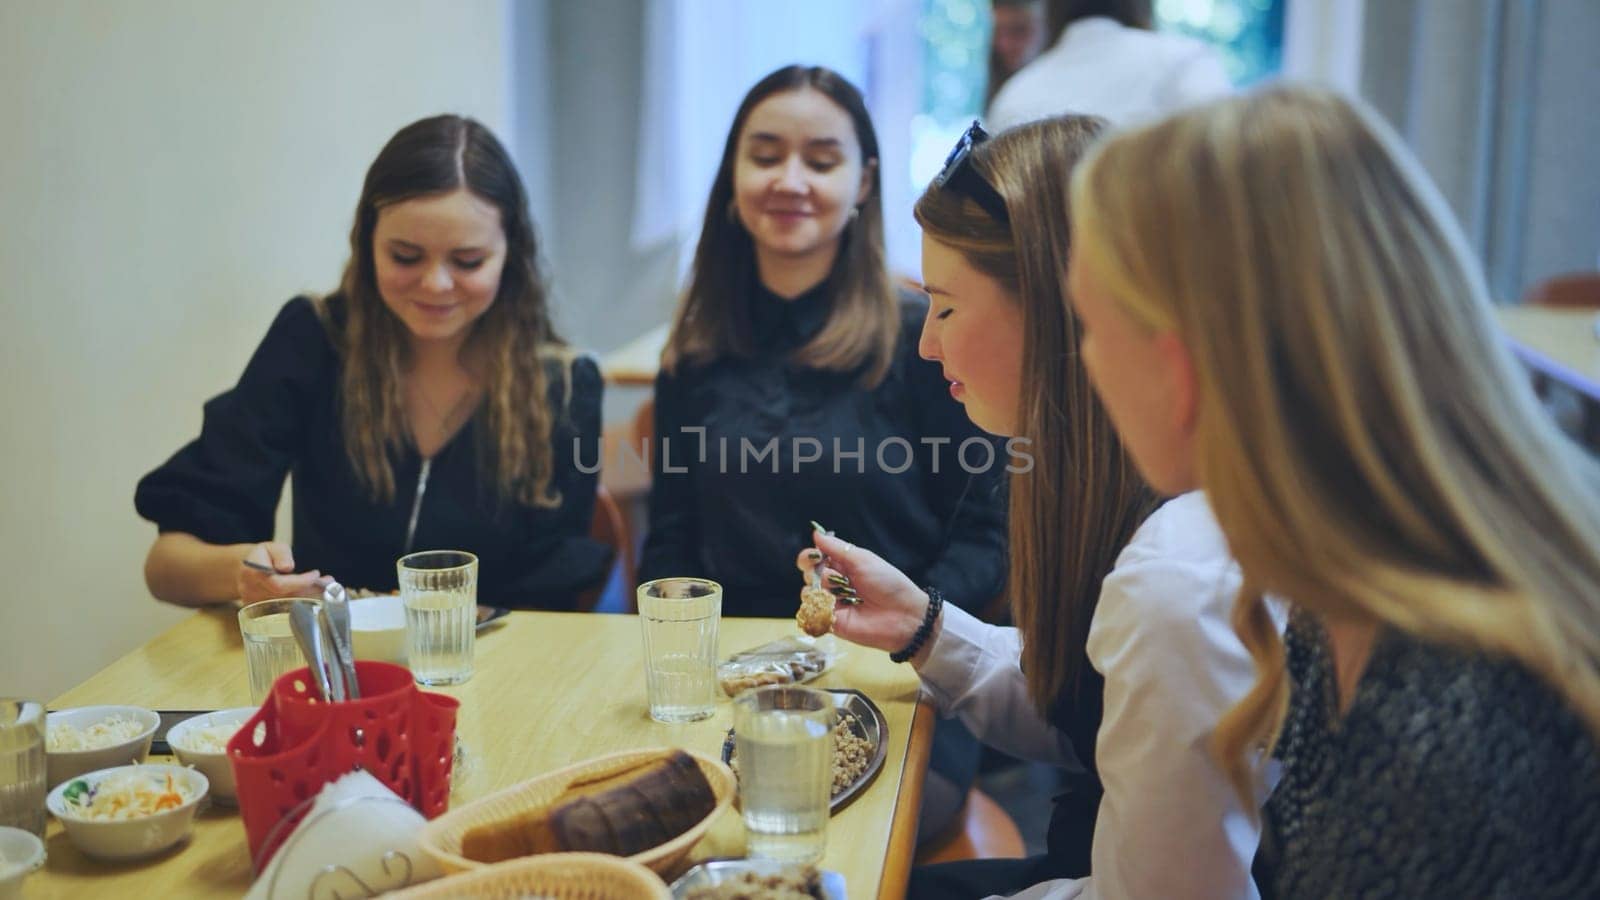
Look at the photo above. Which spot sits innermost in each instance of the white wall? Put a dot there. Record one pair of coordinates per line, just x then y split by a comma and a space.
172, 172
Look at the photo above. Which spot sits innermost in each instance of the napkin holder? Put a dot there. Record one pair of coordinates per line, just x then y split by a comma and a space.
297, 742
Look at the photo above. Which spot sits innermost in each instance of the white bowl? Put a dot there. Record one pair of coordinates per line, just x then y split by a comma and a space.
64, 765
131, 838
21, 853
215, 766
378, 628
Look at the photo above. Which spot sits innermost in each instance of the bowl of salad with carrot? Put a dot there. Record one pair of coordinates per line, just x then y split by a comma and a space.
129, 812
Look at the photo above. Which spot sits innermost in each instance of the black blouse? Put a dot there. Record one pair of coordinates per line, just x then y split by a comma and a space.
1451, 775
784, 445
283, 416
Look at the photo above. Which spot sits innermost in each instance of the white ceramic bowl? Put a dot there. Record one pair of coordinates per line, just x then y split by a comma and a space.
378, 628
215, 766
20, 855
64, 765
131, 838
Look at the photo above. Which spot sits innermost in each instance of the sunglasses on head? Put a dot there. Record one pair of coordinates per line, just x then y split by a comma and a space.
958, 175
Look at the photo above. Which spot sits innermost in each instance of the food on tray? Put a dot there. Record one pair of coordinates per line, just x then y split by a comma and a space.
783, 661
208, 738
815, 616
797, 883
623, 812
851, 753
108, 732
126, 795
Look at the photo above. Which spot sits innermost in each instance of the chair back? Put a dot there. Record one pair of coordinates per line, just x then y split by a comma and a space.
610, 527
1578, 290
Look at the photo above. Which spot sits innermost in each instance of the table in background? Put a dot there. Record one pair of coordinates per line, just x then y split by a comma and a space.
1560, 344
550, 689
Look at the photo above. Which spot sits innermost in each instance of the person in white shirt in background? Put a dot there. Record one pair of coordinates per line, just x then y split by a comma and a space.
1123, 658
1019, 31
1108, 62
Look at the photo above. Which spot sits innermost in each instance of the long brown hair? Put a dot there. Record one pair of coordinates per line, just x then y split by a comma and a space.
863, 324
1082, 501
1370, 447
514, 338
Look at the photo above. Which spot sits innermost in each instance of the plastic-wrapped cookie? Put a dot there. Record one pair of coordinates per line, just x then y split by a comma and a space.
815, 616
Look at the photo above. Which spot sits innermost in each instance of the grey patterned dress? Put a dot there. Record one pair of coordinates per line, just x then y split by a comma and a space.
1452, 775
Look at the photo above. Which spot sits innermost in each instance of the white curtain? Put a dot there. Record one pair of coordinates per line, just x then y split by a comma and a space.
702, 56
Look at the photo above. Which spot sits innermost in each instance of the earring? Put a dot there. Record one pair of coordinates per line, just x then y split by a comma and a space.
855, 213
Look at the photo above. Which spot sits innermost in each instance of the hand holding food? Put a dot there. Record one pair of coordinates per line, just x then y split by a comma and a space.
889, 606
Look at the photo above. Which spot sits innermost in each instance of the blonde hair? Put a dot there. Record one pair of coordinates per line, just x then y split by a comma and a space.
1369, 446
1079, 505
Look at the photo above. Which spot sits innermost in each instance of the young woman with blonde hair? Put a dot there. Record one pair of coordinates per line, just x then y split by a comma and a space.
1122, 659
1279, 309
426, 403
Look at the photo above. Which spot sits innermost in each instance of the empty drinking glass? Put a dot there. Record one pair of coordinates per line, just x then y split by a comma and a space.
784, 737
679, 617
439, 589
269, 645
22, 765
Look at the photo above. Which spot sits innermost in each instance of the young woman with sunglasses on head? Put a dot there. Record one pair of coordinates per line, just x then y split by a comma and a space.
427, 403
1122, 659
1279, 309
791, 391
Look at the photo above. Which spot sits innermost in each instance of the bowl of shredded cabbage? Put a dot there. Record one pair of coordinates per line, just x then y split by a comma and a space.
128, 812
202, 742
88, 738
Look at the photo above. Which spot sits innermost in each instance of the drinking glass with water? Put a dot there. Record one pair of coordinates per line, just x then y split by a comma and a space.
269, 645
439, 589
784, 736
22, 765
679, 617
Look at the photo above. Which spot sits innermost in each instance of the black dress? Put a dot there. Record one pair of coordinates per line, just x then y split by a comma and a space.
899, 469
1451, 775
283, 416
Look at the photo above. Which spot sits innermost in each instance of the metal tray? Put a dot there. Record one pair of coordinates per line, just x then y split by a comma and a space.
715, 871
869, 725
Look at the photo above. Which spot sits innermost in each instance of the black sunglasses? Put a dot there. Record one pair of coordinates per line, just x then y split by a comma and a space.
958, 175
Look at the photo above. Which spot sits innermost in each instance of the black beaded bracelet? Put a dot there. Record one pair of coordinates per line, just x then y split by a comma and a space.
935, 603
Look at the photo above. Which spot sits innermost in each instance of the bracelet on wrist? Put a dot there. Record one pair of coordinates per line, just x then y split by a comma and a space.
935, 604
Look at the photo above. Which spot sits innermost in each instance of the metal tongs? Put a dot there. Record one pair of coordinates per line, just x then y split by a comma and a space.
323, 633
337, 609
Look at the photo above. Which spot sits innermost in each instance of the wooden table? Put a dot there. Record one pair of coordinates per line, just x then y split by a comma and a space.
1560, 344
550, 689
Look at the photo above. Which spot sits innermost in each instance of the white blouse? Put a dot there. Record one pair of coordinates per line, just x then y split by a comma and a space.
1170, 824
1099, 67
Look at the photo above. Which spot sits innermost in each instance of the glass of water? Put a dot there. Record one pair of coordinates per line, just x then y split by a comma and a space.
784, 738
439, 589
269, 645
22, 771
679, 618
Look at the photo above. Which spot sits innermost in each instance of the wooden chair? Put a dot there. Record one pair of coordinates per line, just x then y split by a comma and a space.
1579, 290
610, 527
983, 831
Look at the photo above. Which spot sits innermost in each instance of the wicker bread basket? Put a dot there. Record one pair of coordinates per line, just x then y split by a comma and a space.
441, 838
559, 876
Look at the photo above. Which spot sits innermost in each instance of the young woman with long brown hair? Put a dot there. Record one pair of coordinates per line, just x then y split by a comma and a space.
427, 403
1121, 660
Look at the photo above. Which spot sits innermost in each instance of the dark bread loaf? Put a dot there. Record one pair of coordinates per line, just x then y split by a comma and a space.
657, 805
622, 811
